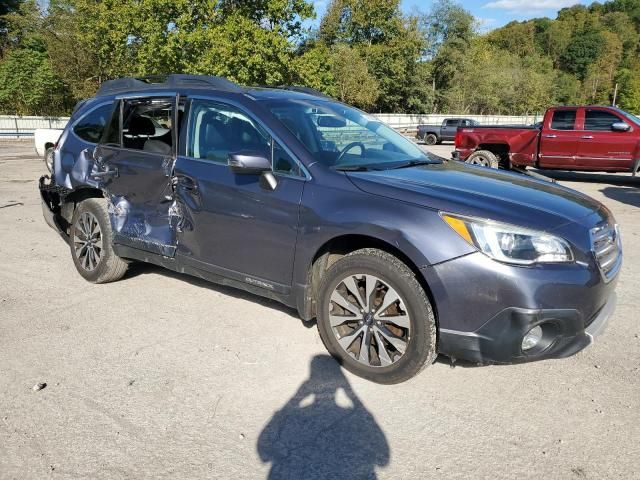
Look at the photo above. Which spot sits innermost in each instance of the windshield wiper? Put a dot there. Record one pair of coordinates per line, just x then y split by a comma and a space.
415, 163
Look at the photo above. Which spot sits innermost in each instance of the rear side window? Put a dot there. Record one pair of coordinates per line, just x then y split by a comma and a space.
599, 120
452, 123
147, 125
563, 120
91, 126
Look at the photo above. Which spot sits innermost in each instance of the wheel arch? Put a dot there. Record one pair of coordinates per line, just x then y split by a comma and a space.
500, 150
496, 148
71, 200
434, 133
337, 247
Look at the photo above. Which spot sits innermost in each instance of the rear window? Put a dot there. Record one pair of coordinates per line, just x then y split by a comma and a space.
599, 120
90, 127
563, 120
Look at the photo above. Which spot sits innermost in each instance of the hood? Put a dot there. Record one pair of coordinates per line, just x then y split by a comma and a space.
456, 187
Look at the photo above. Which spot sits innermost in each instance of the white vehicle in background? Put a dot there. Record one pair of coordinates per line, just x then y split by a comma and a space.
45, 140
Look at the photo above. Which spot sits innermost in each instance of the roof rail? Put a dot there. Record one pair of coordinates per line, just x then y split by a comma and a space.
307, 90
166, 81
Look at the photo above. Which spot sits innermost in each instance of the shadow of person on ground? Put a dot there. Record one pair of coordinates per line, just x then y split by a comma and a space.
628, 195
323, 431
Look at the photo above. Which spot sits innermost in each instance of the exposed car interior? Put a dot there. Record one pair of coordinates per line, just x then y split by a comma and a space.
147, 126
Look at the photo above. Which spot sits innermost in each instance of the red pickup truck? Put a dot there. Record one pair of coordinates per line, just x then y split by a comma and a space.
569, 138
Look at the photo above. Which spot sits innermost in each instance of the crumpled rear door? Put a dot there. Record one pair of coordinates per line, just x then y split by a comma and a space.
136, 176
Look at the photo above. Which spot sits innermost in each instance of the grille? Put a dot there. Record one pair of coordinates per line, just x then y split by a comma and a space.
606, 247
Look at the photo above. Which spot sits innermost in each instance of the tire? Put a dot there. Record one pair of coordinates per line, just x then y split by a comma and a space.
430, 138
97, 262
343, 332
48, 158
484, 158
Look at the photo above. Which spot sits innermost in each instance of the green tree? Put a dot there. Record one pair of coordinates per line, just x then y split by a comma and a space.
28, 85
449, 31
585, 46
6, 7
354, 83
312, 68
629, 88
360, 21
244, 52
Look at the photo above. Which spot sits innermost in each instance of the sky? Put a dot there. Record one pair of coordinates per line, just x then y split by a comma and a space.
490, 13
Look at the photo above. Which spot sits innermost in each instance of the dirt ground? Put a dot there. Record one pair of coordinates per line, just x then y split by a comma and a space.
163, 375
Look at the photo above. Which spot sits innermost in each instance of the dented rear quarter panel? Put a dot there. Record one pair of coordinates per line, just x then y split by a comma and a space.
521, 142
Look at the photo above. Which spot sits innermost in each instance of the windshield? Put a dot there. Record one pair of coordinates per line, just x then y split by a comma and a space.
631, 117
346, 138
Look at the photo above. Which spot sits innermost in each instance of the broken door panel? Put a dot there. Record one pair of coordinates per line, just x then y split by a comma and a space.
137, 173
140, 199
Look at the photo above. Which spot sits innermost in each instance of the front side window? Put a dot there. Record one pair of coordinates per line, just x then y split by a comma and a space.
563, 120
147, 125
216, 130
599, 120
91, 127
340, 136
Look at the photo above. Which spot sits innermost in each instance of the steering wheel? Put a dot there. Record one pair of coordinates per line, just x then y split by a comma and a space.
349, 147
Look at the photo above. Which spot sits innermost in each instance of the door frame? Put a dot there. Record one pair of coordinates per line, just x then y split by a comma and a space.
167, 250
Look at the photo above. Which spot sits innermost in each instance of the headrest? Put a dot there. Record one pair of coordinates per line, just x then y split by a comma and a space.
141, 126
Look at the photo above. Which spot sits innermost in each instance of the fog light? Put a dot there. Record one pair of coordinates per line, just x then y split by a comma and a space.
532, 338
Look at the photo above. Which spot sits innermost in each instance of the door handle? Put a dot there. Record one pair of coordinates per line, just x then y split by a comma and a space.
187, 183
587, 136
551, 136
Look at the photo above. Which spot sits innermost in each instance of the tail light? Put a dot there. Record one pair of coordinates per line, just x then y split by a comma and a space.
458, 139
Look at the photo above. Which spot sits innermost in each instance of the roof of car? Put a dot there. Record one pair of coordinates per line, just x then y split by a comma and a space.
219, 84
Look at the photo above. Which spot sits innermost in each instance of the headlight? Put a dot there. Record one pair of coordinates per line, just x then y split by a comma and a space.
509, 243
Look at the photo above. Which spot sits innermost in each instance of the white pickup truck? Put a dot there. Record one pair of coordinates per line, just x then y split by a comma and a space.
45, 140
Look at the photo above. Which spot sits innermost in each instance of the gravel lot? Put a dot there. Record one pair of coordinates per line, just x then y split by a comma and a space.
163, 375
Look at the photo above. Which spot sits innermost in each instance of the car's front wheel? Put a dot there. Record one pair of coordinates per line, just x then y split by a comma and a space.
375, 317
91, 243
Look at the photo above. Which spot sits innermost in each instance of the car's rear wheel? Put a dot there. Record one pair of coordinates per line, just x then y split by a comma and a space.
375, 317
430, 139
48, 158
484, 158
91, 243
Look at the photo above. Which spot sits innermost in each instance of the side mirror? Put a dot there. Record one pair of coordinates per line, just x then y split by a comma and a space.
248, 163
620, 127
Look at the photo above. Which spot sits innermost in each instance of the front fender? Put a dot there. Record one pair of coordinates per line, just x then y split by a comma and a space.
329, 213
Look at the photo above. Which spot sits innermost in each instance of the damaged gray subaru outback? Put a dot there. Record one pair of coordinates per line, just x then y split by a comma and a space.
397, 254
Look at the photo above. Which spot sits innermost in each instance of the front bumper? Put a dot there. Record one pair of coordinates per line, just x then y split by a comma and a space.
485, 308
500, 339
